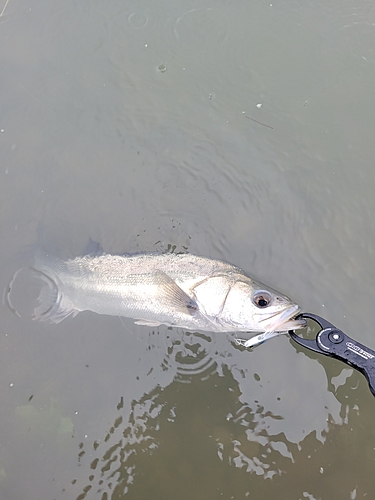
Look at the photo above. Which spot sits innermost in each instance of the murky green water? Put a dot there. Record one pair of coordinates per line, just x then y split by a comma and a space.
239, 130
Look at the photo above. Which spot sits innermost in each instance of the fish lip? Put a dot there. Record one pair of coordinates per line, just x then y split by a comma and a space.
277, 320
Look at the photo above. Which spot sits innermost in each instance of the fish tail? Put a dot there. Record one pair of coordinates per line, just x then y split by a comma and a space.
53, 305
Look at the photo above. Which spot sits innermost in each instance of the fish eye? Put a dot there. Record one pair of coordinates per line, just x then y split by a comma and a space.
262, 299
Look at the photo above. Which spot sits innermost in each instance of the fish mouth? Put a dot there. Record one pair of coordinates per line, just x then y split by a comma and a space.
284, 321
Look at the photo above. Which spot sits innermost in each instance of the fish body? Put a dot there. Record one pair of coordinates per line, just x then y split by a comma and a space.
179, 290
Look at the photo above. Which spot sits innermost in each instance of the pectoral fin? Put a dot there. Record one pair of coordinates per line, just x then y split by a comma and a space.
169, 301
173, 297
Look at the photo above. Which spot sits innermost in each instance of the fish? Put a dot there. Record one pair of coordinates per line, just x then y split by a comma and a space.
173, 289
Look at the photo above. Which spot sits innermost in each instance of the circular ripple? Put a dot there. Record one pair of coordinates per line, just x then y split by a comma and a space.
201, 27
190, 357
137, 20
21, 293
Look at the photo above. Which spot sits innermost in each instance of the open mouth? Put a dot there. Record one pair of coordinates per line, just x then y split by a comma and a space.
282, 322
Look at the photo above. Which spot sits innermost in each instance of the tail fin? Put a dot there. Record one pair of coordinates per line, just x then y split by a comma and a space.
53, 305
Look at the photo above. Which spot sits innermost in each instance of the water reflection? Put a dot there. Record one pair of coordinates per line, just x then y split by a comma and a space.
177, 436
202, 439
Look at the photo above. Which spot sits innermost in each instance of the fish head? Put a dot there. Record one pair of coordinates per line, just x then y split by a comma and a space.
258, 308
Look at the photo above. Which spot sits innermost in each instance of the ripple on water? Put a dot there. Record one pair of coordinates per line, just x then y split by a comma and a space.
194, 22
21, 293
190, 357
137, 20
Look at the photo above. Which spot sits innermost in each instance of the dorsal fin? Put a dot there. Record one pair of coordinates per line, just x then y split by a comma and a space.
93, 249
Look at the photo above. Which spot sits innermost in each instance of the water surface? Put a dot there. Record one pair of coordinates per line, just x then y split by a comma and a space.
241, 131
